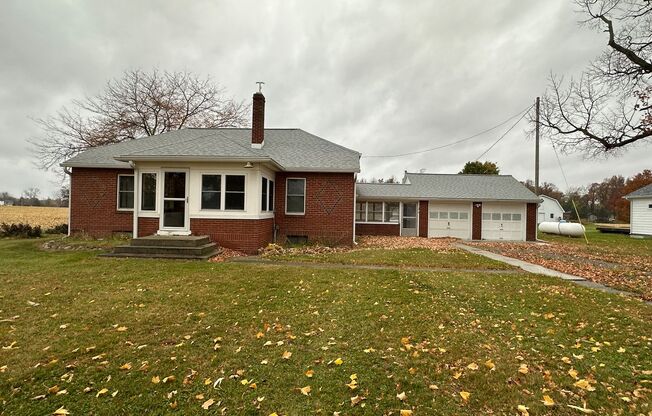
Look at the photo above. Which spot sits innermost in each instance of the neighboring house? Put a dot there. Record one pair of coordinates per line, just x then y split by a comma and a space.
549, 210
640, 211
477, 207
242, 187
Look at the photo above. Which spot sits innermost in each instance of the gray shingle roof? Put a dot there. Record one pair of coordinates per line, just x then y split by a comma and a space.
291, 149
644, 192
450, 187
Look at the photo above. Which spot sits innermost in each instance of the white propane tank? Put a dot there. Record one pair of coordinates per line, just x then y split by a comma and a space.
570, 229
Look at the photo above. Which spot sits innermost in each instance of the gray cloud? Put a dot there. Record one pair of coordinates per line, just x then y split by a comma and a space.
382, 77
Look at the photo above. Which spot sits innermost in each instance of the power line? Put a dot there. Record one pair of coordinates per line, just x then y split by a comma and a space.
504, 134
457, 141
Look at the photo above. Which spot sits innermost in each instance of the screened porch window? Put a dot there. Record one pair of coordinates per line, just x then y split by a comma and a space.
211, 191
384, 212
234, 195
148, 192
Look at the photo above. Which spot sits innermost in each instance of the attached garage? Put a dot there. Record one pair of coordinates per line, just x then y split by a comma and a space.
503, 221
449, 220
469, 207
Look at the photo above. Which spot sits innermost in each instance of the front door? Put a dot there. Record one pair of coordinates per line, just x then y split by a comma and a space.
175, 202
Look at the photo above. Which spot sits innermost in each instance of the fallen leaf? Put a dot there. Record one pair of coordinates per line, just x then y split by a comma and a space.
101, 392
405, 412
125, 366
472, 366
169, 379
286, 355
490, 365
355, 400
582, 409
523, 369
547, 401
309, 373
401, 396
573, 373
156, 379
524, 410
338, 361
121, 328
61, 412
465, 395
305, 390
208, 403
584, 385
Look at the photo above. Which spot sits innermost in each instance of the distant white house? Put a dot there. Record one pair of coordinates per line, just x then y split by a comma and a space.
2, 203
640, 211
549, 210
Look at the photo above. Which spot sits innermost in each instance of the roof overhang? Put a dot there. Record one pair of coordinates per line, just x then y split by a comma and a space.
93, 165
424, 198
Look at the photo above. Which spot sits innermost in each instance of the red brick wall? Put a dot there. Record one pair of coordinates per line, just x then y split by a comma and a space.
93, 202
329, 208
377, 229
423, 218
531, 222
243, 235
476, 221
147, 226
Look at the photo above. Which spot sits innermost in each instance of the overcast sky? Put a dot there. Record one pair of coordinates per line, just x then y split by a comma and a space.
380, 77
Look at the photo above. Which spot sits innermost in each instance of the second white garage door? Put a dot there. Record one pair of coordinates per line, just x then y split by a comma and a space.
449, 220
503, 221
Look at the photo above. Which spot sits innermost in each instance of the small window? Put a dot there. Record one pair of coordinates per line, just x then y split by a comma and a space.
434, 215
391, 211
649, 206
552, 215
486, 216
495, 216
375, 212
126, 192
516, 217
234, 195
507, 217
211, 191
297, 239
361, 211
454, 215
148, 192
443, 215
295, 201
270, 206
464, 215
263, 195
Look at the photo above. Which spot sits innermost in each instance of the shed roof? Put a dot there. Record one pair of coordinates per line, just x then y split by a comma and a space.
644, 192
450, 187
289, 149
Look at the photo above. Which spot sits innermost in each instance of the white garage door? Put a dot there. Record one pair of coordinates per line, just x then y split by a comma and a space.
503, 221
449, 220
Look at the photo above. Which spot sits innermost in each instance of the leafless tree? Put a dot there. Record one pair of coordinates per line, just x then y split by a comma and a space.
138, 104
610, 105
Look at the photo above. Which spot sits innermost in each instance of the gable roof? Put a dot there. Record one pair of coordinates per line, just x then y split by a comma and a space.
555, 200
289, 149
450, 187
644, 192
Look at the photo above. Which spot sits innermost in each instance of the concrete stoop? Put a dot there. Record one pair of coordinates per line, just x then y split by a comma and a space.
168, 247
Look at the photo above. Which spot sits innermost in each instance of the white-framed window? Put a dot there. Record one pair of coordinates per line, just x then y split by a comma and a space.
234, 192
267, 195
380, 212
125, 192
295, 196
211, 192
148, 191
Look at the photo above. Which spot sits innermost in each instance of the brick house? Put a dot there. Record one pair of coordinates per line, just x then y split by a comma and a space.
470, 207
242, 187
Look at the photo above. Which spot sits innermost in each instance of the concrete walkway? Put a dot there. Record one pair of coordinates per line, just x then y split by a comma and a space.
537, 269
259, 260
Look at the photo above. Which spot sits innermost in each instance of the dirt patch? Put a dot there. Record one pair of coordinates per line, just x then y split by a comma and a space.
225, 254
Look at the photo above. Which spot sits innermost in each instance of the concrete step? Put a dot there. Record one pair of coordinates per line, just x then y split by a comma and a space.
167, 250
162, 256
171, 241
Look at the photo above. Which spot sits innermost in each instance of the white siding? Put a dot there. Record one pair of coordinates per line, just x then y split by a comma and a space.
449, 219
549, 210
641, 216
498, 221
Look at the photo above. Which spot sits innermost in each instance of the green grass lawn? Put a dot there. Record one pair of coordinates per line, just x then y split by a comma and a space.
608, 242
78, 324
414, 257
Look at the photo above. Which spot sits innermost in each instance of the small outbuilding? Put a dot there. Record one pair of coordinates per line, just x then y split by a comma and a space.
640, 211
549, 210
470, 207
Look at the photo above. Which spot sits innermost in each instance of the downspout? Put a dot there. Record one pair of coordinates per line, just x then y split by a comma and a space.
68, 172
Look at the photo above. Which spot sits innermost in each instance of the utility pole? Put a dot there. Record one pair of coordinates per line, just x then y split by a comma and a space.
536, 149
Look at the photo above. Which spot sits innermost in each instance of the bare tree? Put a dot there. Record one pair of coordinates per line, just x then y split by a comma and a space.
610, 105
138, 104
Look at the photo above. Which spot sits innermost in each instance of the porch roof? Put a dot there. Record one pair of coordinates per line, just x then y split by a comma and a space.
289, 149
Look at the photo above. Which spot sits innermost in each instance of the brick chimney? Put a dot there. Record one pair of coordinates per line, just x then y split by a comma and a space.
258, 121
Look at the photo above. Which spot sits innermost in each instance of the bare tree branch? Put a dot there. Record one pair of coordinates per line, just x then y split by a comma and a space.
137, 105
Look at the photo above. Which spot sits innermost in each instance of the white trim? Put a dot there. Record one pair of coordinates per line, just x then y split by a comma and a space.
223, 174
70, 203
140, 194
304, 196
117, 196
134, 229
269, 196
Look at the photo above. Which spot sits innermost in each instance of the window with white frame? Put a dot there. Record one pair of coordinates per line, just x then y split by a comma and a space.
211, 191
267, 195
383, 212
295, 199
125, 192
234, 192
148, 191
